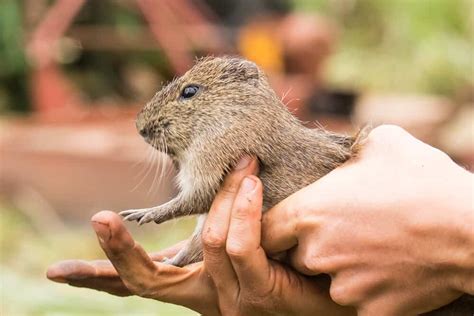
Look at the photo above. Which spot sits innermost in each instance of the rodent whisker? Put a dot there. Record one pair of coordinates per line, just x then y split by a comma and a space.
164, 156
148, 166
155, 163
285, 94
162, 160
142, 161
145, 164
287, 103
157, 181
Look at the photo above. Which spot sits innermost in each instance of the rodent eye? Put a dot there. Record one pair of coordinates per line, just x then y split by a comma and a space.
189, 91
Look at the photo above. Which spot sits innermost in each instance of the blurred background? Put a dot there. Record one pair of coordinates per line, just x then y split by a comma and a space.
74, 73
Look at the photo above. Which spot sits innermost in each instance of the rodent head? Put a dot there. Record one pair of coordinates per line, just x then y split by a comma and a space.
213, 96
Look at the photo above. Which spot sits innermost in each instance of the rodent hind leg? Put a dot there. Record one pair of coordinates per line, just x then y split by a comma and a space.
192, 251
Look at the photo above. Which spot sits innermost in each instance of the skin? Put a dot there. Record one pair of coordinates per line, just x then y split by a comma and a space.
400, 242
236, 277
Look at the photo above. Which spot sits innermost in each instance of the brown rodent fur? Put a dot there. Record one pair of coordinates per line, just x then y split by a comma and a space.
234, 112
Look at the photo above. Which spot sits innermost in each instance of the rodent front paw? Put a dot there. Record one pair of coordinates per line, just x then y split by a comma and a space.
142, 216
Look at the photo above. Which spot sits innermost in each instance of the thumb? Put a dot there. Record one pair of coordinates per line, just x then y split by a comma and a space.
279, 226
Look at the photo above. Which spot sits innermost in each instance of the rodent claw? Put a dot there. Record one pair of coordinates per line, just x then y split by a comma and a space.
134, 216
158, 220
127, 212
146, 218
128, 218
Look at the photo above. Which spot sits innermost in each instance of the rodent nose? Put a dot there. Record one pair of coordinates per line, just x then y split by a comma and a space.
142, 128
145, 132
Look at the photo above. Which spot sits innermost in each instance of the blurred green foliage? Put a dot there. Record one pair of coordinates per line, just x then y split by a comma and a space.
11, 39
401, 45
13, 67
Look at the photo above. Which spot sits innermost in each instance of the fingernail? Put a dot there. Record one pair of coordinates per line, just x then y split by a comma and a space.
102, 231
248, 185
243, 162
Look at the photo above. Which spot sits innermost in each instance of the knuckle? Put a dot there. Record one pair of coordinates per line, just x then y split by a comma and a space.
240, 212
213, 241
310, 264
344, 292
311, 260
236, 251
389, 140
387, 131
339, 294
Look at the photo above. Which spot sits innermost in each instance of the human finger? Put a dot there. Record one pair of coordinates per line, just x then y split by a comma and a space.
279, 225
65, 270
133, 264
142, 276
98, 275
216, 227
74, 269
243, 241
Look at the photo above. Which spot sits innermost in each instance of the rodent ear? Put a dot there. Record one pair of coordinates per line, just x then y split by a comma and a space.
241, 70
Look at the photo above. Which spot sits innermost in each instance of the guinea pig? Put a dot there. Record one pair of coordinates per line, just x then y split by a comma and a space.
220, 110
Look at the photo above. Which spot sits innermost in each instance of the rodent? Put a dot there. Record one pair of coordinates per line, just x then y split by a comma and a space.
219, 110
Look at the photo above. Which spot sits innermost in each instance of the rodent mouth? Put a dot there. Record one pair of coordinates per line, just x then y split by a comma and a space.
169, 151
160, 142
163, 149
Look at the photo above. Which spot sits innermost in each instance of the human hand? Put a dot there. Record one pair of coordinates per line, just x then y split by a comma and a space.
100, 274
392, 227
235, 278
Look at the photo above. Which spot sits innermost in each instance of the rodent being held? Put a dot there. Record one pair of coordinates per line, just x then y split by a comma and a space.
221, 109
